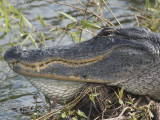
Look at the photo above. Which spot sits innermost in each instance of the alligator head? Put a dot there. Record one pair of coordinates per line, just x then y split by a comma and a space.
126, 57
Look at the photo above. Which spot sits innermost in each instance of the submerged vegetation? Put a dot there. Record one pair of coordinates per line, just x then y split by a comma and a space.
97, 101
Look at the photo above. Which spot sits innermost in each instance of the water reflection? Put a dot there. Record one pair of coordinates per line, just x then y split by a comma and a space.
15, 92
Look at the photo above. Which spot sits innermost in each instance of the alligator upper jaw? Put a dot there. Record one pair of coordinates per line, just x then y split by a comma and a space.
26, 62
77, 62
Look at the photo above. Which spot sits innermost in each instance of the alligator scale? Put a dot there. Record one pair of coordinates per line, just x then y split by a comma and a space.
126, 57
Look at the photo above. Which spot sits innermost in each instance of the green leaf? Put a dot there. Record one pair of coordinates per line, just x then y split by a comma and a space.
26, 22
74, 118
71, 112
26, 38
26, 79
71, 25
1, 38
13, 9
21, 24
5, 14
121, 92
90, 24
34, 116
36, 108
64, 115
33, 41
75, 35
129, 103
68, 16
94, 94
117, 95
47, 100
1, 29
43, 38
42, 22
135, 118
150, 114
82, 114
120, 101
92, 98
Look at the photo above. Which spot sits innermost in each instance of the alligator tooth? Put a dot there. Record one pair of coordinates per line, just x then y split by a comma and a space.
38, 69
44, 64
12, 65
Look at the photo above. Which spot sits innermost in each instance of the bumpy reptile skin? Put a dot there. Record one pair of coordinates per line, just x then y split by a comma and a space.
144, 83
61, 90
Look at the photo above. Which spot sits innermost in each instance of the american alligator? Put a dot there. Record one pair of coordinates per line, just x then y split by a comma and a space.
126, 57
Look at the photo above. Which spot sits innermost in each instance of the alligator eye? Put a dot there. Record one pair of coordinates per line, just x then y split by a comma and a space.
106, 32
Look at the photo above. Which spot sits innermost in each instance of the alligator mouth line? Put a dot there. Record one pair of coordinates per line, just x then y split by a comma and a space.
42, 65
37, 66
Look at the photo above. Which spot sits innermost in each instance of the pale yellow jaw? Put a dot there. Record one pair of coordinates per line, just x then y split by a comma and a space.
61, 90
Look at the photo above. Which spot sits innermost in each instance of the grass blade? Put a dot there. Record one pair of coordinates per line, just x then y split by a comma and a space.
90, 24
41, 20
26, 22
68, 16
5, 14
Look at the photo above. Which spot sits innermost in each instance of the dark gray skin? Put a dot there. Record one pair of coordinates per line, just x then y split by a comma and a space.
126, 57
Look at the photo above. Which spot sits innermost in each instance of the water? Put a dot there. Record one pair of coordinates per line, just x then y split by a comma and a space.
15, 91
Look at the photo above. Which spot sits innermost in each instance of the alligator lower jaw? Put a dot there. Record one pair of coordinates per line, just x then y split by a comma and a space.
56, 89
60, 89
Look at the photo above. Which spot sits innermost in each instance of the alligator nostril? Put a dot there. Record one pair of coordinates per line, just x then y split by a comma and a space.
20, 48
14, 53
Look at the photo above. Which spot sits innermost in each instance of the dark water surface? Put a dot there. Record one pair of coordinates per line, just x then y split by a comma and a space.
15, 91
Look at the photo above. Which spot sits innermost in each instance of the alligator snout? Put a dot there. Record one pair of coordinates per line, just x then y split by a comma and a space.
14, 53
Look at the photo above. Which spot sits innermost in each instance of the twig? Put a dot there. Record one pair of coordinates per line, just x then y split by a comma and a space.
83, 18
89, 11
137, 20
133, 9
61, 38
76, 6
157, 111
137, 102
84, 29
72, 37
120, 115
71, 104
90, 110
117, 118
112, 13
